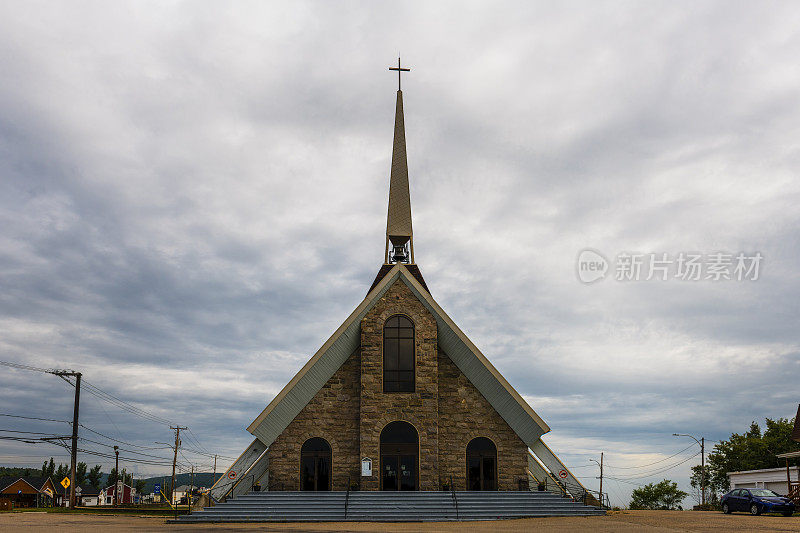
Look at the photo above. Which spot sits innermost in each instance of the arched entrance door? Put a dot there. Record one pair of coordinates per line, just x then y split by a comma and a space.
481, 464
315, 465
399, 457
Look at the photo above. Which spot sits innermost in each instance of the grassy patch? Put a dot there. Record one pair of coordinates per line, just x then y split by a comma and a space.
129, 510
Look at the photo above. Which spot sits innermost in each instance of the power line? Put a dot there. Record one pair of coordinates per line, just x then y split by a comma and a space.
650, 464
122, 441
662, 470
26, 367
117, 402
28, 432
122, 404
36, 418
624, 481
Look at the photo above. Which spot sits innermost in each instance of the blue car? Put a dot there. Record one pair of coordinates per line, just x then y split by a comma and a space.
756, 501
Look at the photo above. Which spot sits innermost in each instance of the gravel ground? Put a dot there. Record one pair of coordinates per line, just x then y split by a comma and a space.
623, 521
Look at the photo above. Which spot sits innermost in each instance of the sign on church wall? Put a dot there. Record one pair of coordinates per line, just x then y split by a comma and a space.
366, 467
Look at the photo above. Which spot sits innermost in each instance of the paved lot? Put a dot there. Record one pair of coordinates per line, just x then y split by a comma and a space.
625, 521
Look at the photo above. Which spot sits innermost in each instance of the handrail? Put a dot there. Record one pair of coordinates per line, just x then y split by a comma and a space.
794, 491
235, 482
453, 494
347, 497
580, 493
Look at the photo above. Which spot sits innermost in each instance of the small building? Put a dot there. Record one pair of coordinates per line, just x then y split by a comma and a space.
179, 494
774, 479
794, 486
87, 496
127, 495
20, 492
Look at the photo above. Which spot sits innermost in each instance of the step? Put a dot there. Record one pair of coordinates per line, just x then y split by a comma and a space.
423, 506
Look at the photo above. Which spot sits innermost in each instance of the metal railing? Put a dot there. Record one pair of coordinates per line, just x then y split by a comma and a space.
453, 494
347, 498
576, 492
794, 491
232, 484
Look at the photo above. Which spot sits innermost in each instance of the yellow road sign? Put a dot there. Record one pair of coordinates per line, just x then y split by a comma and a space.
65, 482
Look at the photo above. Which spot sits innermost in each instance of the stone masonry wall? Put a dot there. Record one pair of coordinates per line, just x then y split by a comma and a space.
332, 414
351, 410
419, 408
465, 414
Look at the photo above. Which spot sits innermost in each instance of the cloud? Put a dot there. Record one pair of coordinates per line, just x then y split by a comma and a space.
193, 199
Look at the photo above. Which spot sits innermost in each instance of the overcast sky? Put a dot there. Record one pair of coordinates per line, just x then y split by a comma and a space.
193, 198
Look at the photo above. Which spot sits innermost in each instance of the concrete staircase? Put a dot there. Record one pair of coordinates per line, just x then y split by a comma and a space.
388, 507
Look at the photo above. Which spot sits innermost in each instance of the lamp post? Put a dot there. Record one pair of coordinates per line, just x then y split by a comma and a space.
702, 443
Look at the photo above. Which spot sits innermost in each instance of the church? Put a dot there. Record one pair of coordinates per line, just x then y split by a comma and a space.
398, 398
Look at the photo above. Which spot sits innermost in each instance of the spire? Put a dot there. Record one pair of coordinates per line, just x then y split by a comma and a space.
398, 221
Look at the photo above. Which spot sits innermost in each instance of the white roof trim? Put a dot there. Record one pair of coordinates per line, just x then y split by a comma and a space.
761, 471
309, 380
346, 339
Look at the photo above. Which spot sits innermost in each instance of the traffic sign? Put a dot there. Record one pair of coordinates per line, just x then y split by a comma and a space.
562, 474
157, 488
232, 474
65, 482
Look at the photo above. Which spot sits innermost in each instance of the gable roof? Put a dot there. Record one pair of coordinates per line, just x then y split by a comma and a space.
346, 339
37, 483
88, 490
411, 267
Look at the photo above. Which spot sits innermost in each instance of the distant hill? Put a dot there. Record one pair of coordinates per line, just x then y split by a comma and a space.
201, 479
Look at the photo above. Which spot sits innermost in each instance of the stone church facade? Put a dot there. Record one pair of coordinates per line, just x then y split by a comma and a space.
398, 398
351, 410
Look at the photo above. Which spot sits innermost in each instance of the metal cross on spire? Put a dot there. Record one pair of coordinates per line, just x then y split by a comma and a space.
399, 70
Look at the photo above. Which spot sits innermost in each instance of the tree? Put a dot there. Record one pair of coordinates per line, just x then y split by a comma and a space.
44, 469
126, 478
663, 495
751, 450
51, 468
140, 483
94, 476
80, 473
714, 488
112, 477
62, 472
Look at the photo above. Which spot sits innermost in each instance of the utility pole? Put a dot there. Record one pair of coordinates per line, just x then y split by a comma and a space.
175, 459
601, 475
703, 469
74, 452
702, 443
600, 464
214, 475
191, 488
116, 481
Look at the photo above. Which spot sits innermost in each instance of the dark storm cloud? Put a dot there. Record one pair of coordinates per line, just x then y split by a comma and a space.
192, 198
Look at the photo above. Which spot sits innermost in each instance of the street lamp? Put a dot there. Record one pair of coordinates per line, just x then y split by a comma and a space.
702, 443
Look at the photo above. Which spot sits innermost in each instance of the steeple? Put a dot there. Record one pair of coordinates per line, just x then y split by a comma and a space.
399, 237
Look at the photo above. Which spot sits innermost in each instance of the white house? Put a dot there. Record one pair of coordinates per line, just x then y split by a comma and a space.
768, 478
87, 496
179, 493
